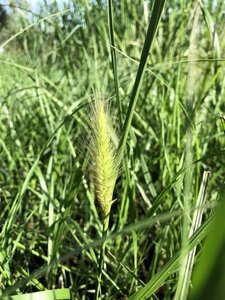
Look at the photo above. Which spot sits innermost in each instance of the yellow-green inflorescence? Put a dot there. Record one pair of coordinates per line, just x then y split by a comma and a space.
103, 157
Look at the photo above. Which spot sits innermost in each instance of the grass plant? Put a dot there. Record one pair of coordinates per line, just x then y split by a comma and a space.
161, 63
103, 165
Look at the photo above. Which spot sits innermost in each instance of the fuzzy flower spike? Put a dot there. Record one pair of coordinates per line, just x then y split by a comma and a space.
104, 164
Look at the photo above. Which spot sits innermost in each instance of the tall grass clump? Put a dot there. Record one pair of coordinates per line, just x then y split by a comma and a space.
165, 79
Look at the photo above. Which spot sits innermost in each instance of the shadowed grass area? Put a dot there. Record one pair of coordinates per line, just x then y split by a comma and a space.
162, 65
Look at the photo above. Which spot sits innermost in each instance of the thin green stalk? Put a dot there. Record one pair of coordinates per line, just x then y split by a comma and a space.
152, 28
102, 257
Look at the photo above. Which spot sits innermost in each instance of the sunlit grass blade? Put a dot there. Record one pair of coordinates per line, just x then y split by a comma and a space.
58, 294
188, 261
171, 266
152, 28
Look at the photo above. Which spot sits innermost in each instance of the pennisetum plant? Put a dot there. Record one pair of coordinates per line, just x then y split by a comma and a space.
105, 157
103, 165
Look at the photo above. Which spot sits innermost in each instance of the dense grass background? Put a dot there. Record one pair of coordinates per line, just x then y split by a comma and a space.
54, 61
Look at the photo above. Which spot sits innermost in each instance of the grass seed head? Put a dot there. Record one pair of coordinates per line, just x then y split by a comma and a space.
102, 156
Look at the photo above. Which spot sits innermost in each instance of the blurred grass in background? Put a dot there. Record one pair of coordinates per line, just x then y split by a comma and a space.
52, 62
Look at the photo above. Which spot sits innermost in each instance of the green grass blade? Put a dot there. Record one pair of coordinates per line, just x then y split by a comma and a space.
152, 28
157, 281
17, 201
188, 261
209, 276
113, 57
26, 28
212, 29
58, 294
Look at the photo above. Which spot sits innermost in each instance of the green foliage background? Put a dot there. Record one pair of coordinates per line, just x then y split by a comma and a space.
53, 62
